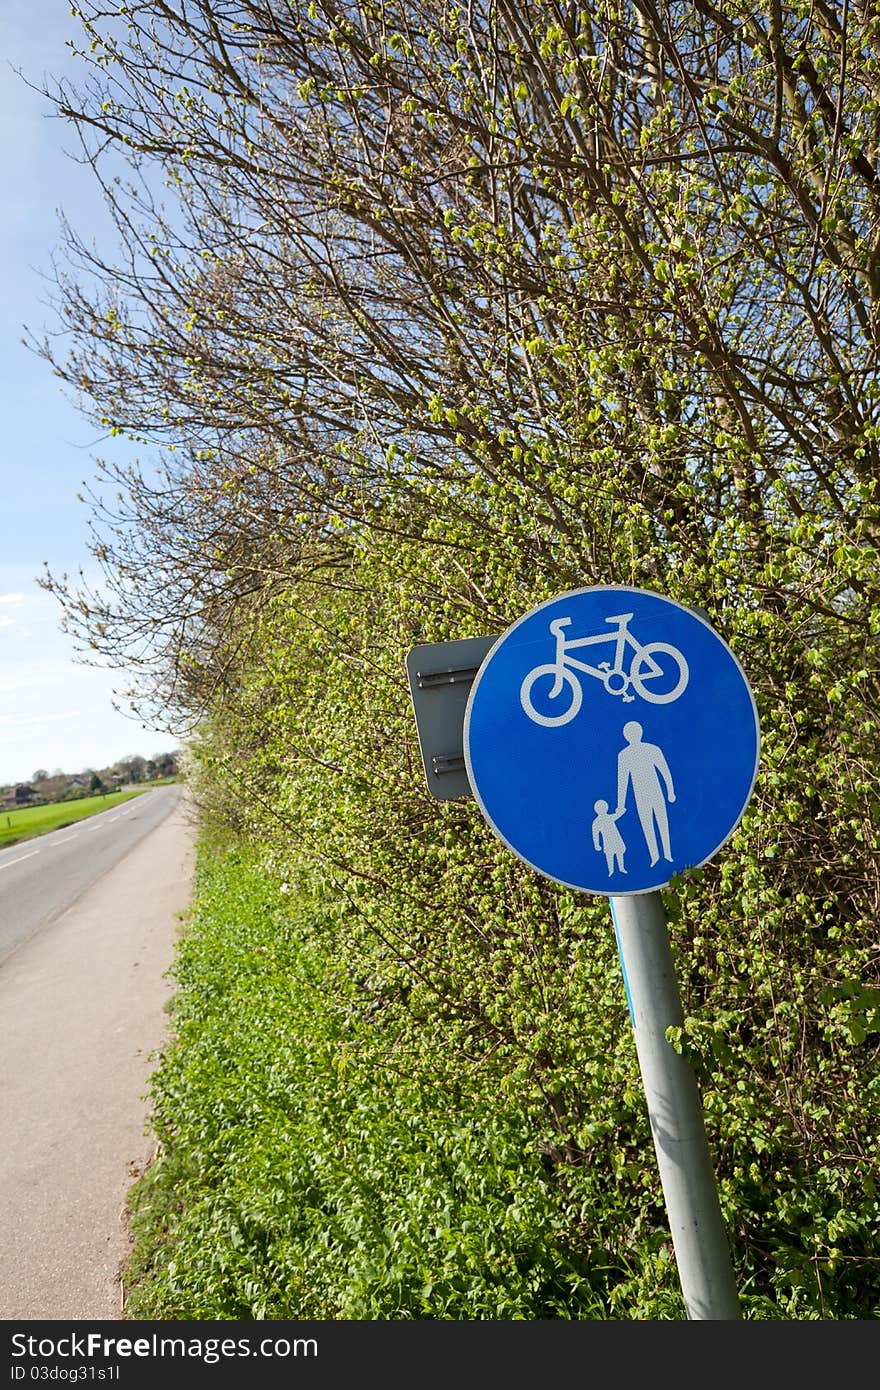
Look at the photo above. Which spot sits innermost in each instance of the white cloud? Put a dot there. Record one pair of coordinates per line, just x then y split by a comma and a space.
58, 717
26, 615
30, 680
56, 711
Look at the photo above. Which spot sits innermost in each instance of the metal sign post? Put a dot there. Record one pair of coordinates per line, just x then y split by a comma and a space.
611, 741
674, 1111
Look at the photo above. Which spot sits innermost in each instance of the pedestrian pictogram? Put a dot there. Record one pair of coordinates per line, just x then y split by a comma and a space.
611, 739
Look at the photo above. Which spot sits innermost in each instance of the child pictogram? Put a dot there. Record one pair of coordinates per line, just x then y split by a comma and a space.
607, 839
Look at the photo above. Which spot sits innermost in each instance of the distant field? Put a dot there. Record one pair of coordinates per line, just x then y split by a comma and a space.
28, 821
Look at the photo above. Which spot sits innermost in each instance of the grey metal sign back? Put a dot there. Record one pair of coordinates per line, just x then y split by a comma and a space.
440, 678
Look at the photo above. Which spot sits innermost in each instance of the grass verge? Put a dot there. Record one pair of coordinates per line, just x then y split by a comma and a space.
314, 1166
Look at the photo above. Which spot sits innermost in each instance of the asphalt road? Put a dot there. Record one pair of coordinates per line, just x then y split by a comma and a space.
42, 877
89, 919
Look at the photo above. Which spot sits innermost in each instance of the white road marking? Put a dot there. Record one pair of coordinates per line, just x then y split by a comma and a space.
65, 838
9, 863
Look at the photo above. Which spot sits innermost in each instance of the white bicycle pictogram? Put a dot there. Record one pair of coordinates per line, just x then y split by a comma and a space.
650, 661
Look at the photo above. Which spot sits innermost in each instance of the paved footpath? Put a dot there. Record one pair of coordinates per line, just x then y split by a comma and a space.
82, 1013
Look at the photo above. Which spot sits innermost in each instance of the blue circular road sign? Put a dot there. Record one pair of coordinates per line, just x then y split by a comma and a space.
611, 739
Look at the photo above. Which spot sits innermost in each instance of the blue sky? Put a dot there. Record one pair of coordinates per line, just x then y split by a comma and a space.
54, 711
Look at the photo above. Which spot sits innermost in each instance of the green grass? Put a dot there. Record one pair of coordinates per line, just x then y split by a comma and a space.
28, 821
301, 1176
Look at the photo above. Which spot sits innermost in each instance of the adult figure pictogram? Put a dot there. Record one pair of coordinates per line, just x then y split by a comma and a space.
642, 765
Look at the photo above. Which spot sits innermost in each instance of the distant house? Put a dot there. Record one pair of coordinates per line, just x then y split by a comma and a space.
21, 795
